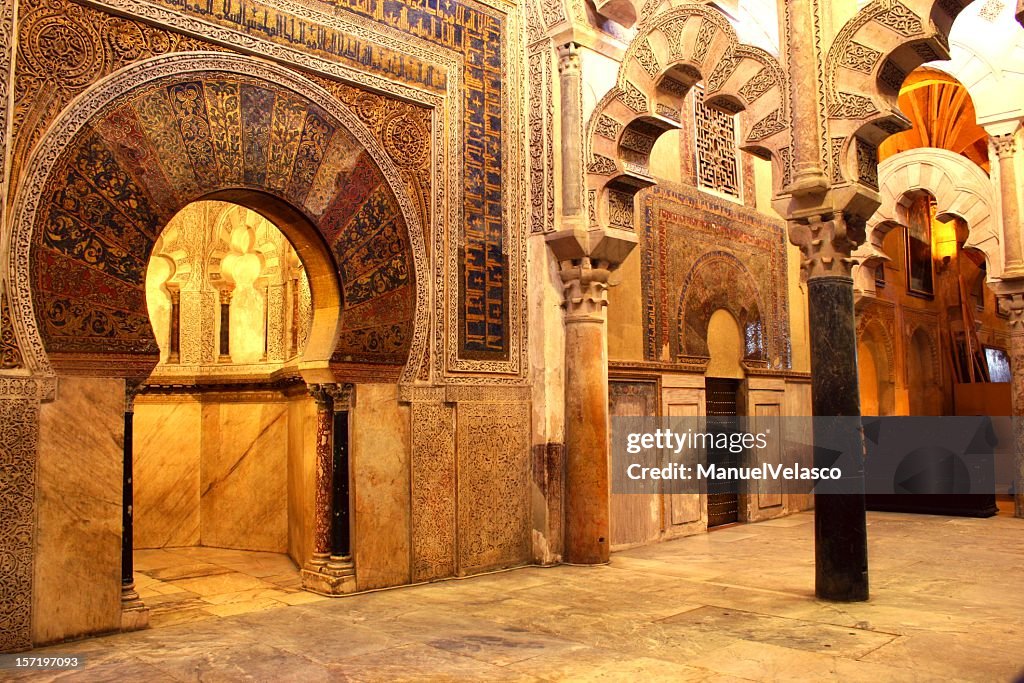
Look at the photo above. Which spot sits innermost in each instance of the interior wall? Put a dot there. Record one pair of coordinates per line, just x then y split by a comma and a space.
77, 582
301, 475
215, 471
380, 446
166, 471
244, 485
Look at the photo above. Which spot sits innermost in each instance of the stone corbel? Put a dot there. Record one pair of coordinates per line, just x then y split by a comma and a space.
867, 257
1010, 300
623, 12
587, 259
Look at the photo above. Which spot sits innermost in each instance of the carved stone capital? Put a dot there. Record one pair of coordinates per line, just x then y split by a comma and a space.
1012, 303
826, 243
132, 388
323, 394
569, 59
225, 294
341, 395
586, 291
331, 397
1004, 145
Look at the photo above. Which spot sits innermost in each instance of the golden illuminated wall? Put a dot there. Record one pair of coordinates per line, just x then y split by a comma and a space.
906, 329
214, 254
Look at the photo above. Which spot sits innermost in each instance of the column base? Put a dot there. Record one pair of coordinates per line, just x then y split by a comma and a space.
134, 614
337, 577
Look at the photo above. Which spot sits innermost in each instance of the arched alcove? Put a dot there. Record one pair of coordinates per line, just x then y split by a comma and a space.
720, 282
114, 169
106, 179
923, 380
725, 346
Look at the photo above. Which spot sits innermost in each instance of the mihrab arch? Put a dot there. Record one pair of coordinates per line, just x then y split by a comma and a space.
148, 140
960, 189
717, 281
678, 48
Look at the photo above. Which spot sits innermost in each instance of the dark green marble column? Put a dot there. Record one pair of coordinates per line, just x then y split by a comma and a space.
840, 531
127, 512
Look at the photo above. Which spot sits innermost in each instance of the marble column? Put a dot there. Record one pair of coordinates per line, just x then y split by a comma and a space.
1011, 299
587, 492
134, 614
1006, 148
324, 473
803, 57
341, 529
328, 572
840, 525
571, 92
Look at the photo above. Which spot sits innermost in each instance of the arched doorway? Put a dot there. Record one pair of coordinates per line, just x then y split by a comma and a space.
875, 368
220, 506
108, 177
723, 381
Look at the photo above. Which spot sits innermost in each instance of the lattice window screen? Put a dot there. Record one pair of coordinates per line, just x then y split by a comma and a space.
718, 167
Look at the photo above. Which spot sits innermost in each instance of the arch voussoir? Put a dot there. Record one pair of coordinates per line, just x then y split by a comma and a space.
672, 52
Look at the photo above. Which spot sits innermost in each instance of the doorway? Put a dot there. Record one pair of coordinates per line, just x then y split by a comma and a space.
220, 460
722, 408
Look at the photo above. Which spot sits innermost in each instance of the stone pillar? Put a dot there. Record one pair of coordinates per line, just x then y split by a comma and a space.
840, 528
1006, 148
587, 492
803, 60
1011, 299
325, 573
134, 615
572, 129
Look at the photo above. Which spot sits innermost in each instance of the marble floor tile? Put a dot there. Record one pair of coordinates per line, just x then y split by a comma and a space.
733, 605
408, 663
228, 582
191, 570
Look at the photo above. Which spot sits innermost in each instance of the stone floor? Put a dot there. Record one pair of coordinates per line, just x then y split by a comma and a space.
735, 604
191, 584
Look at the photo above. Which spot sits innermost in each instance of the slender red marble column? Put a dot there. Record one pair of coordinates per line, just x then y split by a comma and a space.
324, 473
